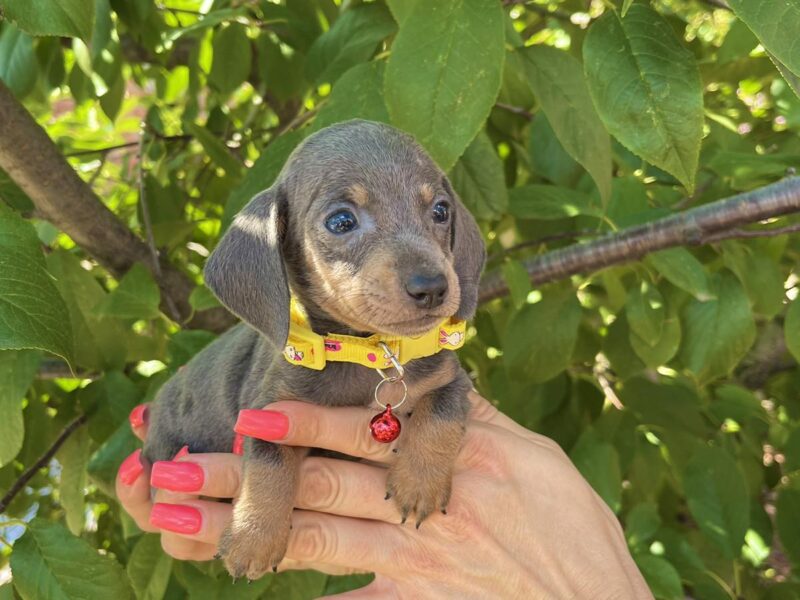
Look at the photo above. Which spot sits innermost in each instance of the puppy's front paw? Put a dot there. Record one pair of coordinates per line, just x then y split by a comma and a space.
419, 486
250, 548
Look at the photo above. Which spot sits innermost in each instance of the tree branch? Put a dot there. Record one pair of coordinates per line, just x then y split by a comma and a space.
44, 459
61, 197
702, 225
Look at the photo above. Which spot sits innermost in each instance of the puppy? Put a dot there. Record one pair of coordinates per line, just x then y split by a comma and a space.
369, 236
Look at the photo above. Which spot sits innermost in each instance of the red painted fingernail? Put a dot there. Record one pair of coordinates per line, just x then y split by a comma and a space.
181, 453
263, 424
177, 476
138, 416
176, 518
238, 444
131, 468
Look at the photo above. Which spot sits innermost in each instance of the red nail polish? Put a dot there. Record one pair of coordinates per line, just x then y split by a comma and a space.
176, 518
131, 468
238, 444
262, 424
181, 453
139, 415
177, 476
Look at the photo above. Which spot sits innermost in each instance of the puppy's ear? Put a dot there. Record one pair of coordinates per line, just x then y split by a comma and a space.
469, 255
246, 270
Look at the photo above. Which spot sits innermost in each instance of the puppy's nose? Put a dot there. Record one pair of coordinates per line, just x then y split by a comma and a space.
427, 292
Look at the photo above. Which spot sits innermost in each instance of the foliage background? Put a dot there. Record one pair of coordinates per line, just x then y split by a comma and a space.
558, 121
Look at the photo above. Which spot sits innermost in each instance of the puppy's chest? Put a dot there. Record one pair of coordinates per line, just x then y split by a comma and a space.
353, 385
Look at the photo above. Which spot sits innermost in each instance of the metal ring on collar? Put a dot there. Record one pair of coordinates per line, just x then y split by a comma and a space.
378, 387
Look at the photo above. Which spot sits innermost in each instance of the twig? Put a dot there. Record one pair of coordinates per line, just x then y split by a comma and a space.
718, 4
600, 371
107, 149
148, 226
565, 235
44, 459
744, 234
299, 120
697, 226
53, 368
517, 110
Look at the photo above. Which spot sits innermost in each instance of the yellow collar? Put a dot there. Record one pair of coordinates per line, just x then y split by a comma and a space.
309, 349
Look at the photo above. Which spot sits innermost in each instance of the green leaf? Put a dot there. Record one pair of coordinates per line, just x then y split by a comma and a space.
401, 9
18, 66
717, 333
558, 82
217, 151
787, 521
598, 462
646, 313
17, 370
647, 89
185, 344
718, 499
681, 268
203, 298
793, 79
136, 297
664, 405
641, 523
49, 563
149, 568
108, 401
541, 337
549, 202
73, 456
626, 4
760, 275
358, 94
738, 43
106, 460
99, 341
656, 352
444, 73
662, 578
791, 329
32, 313
479, 179
519, 282
771, 21
262, 174
547, 155
297, 585
351, 40
64, 18
232, 58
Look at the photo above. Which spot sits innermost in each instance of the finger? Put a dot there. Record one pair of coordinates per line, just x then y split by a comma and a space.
317, 538
197, 520
379, 589
342, 429
182, 548
485, 412
345, 488
139, 420
133, 490
215, 475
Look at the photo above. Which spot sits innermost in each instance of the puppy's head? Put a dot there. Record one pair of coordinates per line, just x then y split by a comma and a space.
365, 228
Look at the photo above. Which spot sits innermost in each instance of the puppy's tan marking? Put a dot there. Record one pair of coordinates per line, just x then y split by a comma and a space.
426, 193
358, 194
256, 539
420, 478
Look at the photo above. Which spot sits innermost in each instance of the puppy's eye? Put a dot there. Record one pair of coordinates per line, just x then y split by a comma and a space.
340, 222
441, 212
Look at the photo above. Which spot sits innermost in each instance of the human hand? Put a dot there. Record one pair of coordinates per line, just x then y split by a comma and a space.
521, 523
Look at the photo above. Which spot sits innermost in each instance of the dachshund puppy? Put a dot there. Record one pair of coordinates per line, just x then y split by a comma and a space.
367, 233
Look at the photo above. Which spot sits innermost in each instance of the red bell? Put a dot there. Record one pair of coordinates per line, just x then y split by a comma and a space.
385, 427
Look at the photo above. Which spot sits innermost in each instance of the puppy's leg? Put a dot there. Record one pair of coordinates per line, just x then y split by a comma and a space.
421, 476
256, 540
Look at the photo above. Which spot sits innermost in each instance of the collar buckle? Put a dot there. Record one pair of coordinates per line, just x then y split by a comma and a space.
399, 370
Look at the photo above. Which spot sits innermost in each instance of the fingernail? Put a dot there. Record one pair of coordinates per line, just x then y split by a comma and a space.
138, 416
177, 476
181, 453
131, 468
176, 518
238, 444
263, 424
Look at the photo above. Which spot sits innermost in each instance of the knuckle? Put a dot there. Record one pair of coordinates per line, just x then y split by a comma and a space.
482, 452
320, 485
176, 547
422, 560
314, 542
